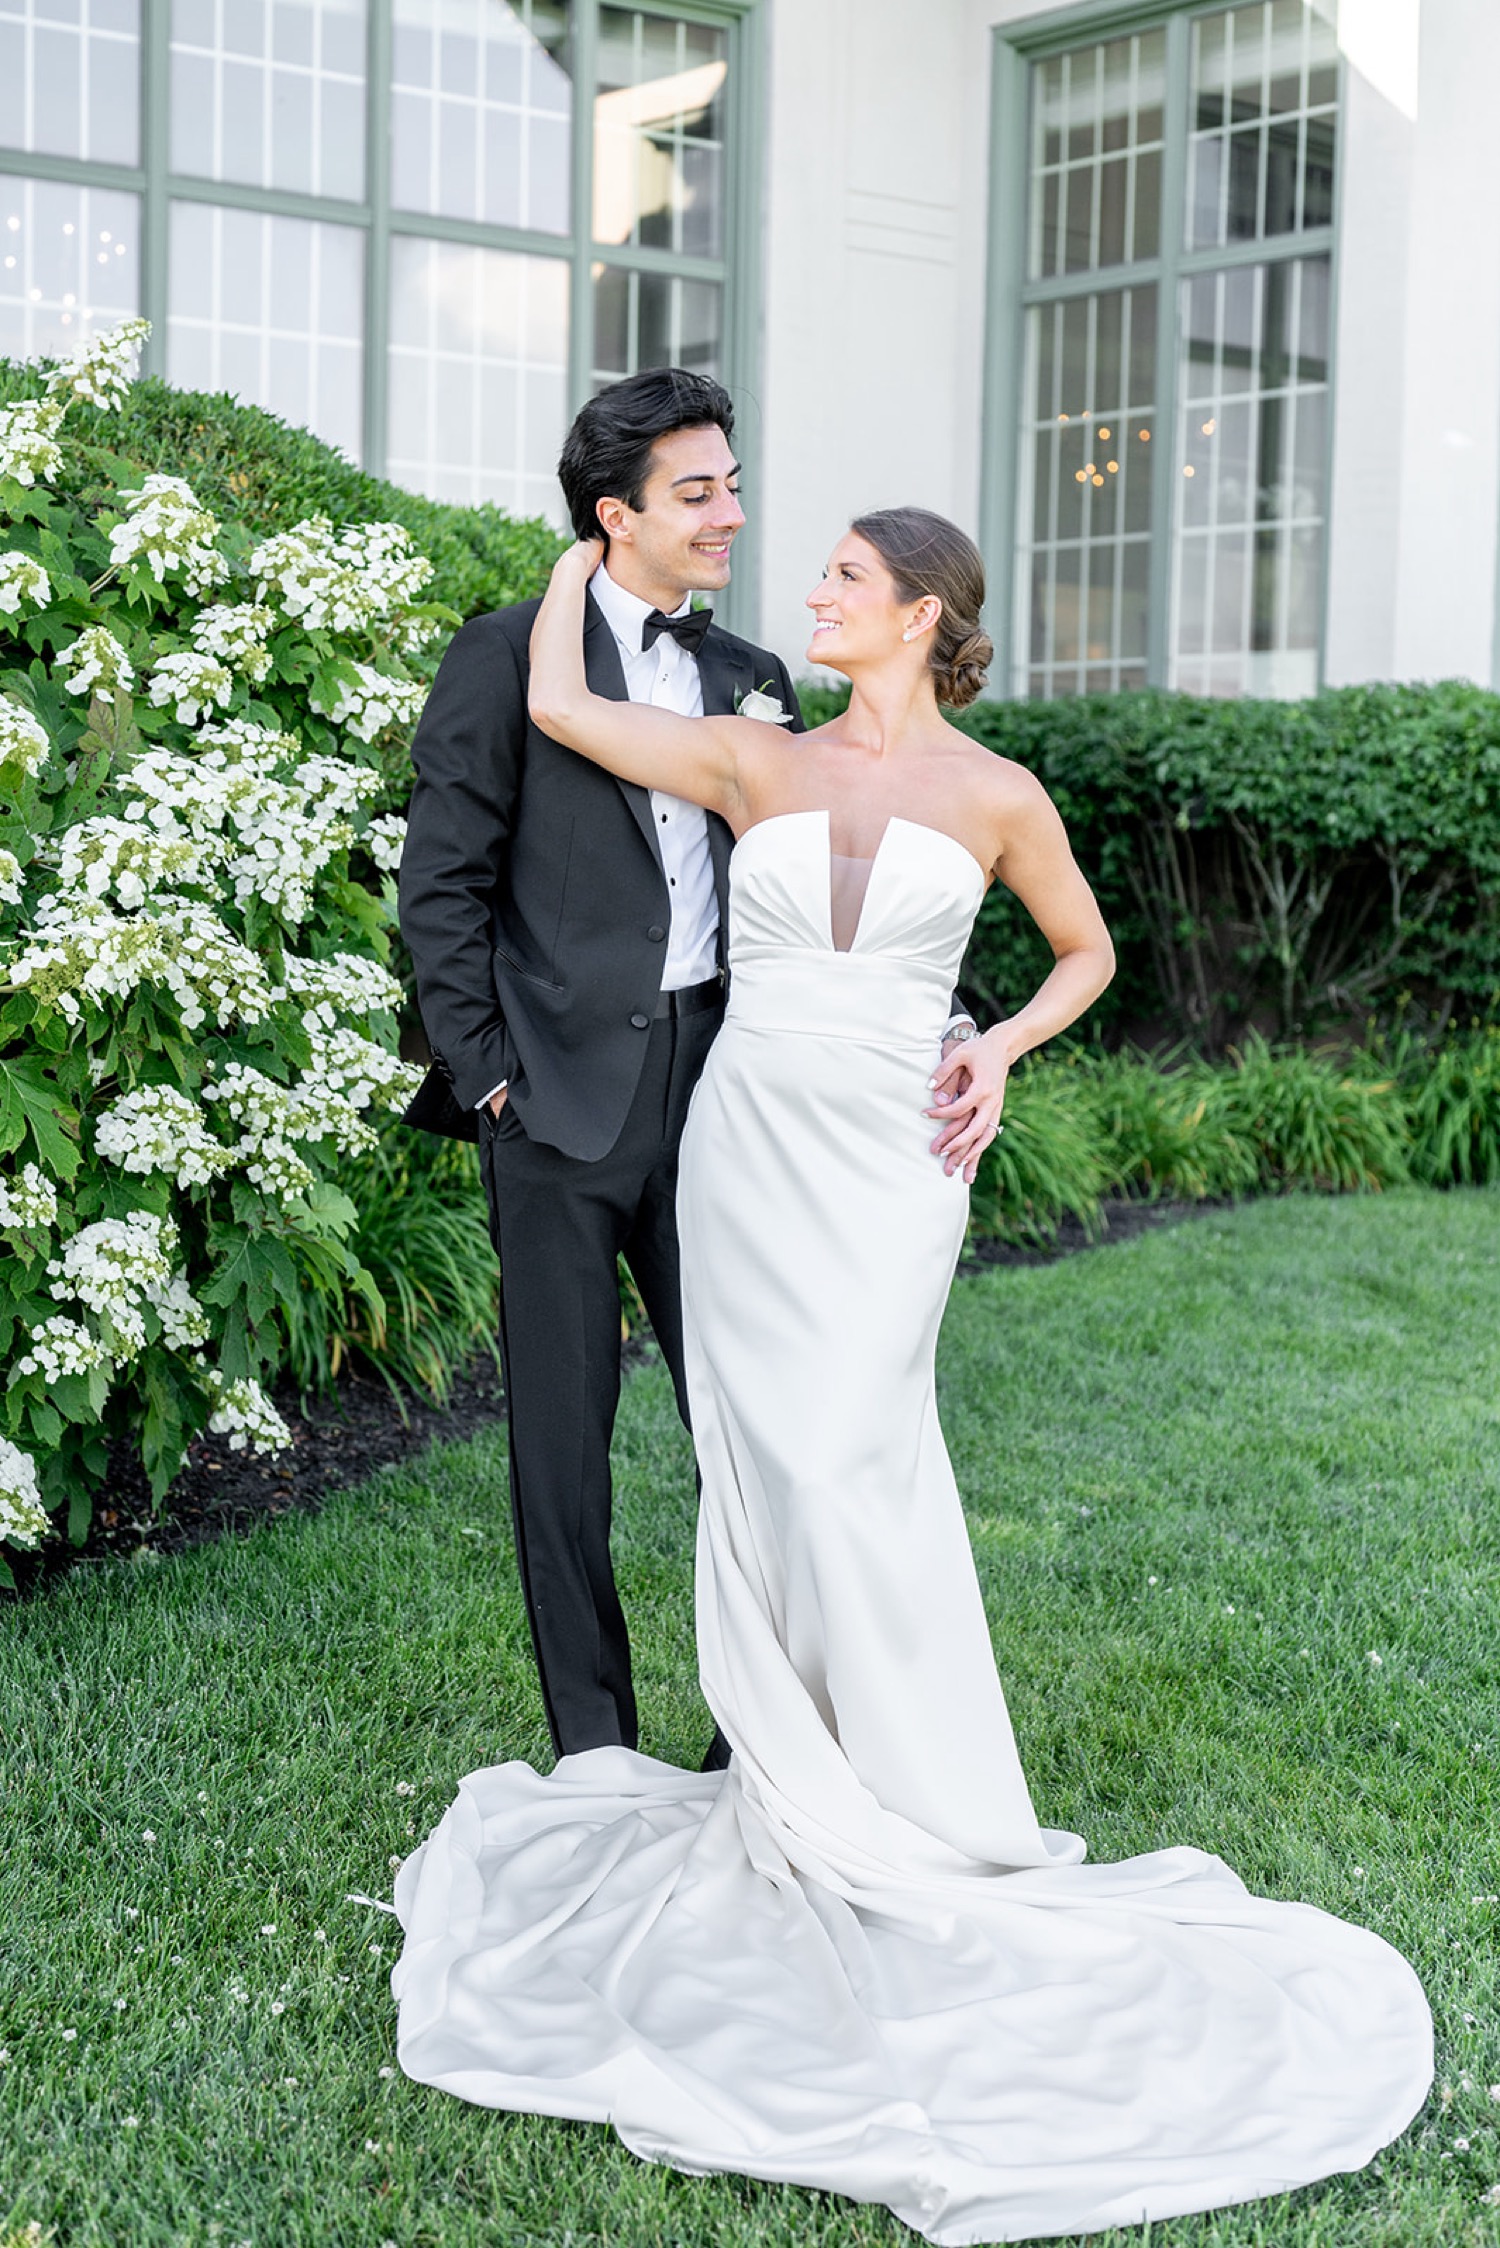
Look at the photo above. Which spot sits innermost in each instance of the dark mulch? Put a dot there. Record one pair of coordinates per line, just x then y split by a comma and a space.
338, 1441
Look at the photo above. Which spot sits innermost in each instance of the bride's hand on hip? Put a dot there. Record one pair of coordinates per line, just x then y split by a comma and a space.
968, 1090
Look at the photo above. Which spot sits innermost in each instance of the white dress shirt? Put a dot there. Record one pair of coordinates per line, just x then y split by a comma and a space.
666, 675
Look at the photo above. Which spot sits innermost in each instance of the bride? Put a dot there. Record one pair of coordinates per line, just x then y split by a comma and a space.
855, 1960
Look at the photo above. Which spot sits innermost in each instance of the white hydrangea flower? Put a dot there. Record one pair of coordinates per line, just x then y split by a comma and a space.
101, 369
158, 1128
385, 840
133, 857
28, 446
245, 1414
79, 947
24, 747
184, 1322
22, 579
95, 663
346, 984
371, 701
167, 530
23, 1519
118, 1266
340, 581
191, 682
62, 1346
27, 1198
10, 878
364, 1073
273, 1117
235, 634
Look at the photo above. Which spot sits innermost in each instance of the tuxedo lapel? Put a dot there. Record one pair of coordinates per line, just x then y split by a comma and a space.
602, 669
725, 675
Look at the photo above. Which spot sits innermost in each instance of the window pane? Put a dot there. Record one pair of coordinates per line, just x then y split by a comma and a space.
70, 78
271, 93
273, 310
482, 108
69, 264
1251, 471
659, 117
1086, 532
1260, 159
478, 374
655, 320
1096, 155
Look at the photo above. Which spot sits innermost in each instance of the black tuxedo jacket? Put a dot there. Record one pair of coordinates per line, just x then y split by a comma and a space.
533, 900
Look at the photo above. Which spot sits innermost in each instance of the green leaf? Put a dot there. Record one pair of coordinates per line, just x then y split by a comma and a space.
25, 1089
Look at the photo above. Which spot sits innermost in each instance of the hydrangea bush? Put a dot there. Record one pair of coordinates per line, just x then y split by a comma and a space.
197, 1018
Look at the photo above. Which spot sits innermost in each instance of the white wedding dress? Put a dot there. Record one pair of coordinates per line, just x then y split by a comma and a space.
854, 1960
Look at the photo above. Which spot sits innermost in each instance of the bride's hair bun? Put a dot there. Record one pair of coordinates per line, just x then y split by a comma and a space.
926, 554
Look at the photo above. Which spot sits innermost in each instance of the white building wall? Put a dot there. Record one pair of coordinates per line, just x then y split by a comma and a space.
876, 256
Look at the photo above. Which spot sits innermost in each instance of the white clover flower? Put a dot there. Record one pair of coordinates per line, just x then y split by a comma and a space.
167, 531
24, 747
235, 634
158, 1128
95, 663
22, 579
27, 1199
385, 839
371, 701
62, 1346
101, 370
23, 1518
81, 950
10, 878
245, 1414
191, 683
132, 858
347, 984
28, 447
344, 581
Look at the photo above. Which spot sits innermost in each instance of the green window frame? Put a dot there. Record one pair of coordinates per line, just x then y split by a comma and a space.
734, 268
1017, 292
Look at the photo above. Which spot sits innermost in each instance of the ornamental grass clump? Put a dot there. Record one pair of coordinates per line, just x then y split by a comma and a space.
197, 1018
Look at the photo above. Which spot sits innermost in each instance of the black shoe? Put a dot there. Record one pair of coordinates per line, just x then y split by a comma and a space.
716, 1758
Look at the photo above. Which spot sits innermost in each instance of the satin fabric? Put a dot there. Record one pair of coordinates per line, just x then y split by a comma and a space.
855, 1960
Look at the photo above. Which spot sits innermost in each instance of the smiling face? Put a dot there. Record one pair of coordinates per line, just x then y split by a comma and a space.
678, 540
856, 615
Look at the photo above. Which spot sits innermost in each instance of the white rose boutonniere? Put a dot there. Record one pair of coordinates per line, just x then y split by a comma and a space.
758, 704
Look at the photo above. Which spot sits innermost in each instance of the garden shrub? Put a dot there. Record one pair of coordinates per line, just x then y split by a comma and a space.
423, 1241
265, 475
1294, 866
196, 1011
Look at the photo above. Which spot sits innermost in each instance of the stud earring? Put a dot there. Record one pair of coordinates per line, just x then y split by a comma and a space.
906, 635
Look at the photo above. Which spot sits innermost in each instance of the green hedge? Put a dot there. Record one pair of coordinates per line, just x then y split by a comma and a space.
250, 468
1297, 866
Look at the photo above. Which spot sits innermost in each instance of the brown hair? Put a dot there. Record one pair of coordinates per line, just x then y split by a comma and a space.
926, 554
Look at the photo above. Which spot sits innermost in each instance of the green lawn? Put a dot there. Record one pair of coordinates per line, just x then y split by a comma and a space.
1233, 1492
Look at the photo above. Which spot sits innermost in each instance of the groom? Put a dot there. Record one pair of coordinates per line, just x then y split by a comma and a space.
567, 932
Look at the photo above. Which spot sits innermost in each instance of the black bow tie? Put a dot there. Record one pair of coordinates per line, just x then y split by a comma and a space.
688, 631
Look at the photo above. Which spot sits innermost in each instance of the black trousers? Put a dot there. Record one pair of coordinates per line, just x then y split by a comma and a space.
558, 1226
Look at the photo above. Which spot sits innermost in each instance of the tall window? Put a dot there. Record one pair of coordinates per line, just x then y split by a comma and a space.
1174, 309
425, 229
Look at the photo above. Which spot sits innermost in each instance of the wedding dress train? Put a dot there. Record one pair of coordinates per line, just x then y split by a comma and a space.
855, 1960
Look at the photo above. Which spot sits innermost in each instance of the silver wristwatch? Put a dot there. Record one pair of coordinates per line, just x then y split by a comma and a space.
960, 1034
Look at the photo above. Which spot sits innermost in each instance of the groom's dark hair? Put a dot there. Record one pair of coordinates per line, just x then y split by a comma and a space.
606, 454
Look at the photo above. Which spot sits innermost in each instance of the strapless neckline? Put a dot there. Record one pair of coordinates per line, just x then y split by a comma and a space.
820, 816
